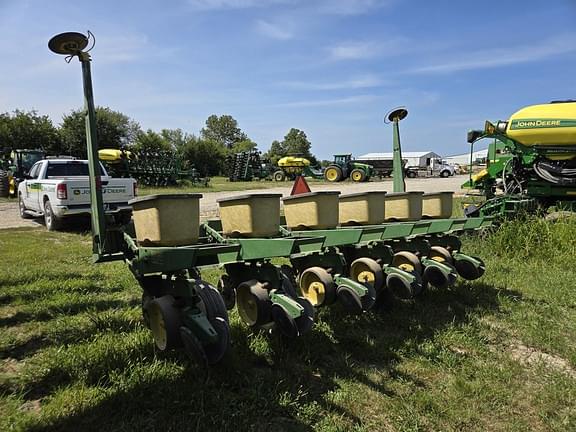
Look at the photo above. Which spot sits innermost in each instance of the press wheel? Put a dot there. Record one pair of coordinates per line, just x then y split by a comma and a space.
317, 286
402, 288
350, 300
468, 270
215, 352
211, 303
253, 303
306, 320
193, 347
407, 261
440, 254
368, 272
165, 322
284, 322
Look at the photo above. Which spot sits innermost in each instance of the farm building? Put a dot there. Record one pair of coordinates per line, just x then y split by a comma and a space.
416, 159
464, 159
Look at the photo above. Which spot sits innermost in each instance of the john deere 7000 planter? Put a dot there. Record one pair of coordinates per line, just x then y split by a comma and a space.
355, 250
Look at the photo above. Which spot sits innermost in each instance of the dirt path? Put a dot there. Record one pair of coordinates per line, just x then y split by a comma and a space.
9, 217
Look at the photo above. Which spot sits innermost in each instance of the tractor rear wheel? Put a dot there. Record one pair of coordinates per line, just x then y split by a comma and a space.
333, 173
279, 176
357, 175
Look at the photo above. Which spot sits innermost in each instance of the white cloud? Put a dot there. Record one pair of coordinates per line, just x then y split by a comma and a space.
484, 59
360, 82
352, 7
273, 31
354, 51
329, 102
207, 5
361, 50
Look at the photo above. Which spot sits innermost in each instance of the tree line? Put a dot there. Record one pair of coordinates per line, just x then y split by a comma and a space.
207, 152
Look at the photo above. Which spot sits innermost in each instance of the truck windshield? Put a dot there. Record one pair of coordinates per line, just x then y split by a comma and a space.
68, 169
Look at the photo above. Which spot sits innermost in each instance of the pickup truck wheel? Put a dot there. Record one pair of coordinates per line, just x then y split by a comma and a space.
51, 221
410, 174
22, 208
445, 173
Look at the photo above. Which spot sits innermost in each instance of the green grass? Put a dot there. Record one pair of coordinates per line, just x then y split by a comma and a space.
495, 354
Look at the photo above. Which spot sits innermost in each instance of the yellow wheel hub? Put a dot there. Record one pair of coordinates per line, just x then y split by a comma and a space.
366, 276
158, 327
331, 174
356, 176
406, 267
315, 292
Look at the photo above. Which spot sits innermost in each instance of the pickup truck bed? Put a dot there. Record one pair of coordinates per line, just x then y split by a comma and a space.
59, 188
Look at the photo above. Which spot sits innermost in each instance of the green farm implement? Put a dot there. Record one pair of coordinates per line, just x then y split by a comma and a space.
358, 259
531, 163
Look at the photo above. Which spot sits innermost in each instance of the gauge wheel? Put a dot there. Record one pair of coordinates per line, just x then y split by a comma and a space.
317, 286
253, 303
306, 320
357, 175
333, 173
216, 351
368, 272
351, 301
468, 270
407, 261
440, 254
165, 322
211, 303
22, 208
193, 347
279, 176
284, 322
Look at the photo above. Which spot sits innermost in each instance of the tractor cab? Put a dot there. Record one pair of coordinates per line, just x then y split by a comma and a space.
342, 159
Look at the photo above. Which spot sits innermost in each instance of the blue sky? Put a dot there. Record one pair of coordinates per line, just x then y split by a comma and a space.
332, 68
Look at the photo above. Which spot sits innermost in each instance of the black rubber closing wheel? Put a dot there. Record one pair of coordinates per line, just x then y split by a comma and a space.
253, 303
440, 254
192, 347
468, 270
368, 272
436, 277
351, 301
284, 322
288, 281
165, 322
369, 299
305, 322
317, 286
401, 288
215, 352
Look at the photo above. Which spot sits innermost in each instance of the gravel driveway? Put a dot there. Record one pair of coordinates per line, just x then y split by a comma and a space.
9, 217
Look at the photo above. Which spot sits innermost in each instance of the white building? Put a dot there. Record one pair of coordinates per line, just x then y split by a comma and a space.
415, 159
464, 159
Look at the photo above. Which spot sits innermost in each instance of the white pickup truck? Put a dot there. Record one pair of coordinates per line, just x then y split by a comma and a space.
59, 188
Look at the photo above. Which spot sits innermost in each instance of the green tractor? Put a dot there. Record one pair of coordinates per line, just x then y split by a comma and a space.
344, 167
14, 166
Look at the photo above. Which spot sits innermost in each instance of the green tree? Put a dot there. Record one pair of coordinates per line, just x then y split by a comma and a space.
176, 138
295, 143
242, 146
223, 130
28, 130
151, 141
208, 157
114, 130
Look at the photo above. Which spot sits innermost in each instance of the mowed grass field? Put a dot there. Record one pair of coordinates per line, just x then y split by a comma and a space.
495, 354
